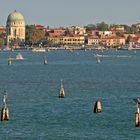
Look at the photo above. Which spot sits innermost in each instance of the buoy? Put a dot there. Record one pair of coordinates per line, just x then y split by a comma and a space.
97, 107
4, 111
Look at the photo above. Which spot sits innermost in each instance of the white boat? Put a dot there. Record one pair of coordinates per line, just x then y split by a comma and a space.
38, 50
98, 55
19, 56
62, 92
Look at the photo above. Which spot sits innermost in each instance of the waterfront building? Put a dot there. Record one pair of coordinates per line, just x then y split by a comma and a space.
102, 34
113, 41
137, 25
15, 28
132, 38
77, 30
108, 41
2, 29
118, 28
55, 39
67, 40
93, 40
74, 39
40, 27
59, 31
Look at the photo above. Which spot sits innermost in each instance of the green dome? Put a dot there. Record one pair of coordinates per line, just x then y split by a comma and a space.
15, 16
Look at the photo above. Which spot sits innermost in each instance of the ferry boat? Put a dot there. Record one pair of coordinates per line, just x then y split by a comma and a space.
19, 56
38, 50
62, 92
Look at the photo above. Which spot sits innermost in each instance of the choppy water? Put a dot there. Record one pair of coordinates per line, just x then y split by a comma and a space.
36, 112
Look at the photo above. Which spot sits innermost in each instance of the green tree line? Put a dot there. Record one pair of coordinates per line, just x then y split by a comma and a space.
105, 27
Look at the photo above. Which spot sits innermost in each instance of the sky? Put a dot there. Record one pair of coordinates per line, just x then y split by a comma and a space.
56, 13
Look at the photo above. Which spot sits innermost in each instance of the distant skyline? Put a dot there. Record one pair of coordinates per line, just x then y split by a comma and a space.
55, 13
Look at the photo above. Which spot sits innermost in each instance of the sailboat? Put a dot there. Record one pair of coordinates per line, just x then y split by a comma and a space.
5, 110
62, 92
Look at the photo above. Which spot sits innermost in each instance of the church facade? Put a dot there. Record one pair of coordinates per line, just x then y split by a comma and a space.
15, 28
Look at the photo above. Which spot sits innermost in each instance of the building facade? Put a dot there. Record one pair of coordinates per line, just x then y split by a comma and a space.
108, 41
15, 27
67, 40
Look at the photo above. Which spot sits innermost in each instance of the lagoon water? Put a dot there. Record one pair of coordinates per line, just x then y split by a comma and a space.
36, 112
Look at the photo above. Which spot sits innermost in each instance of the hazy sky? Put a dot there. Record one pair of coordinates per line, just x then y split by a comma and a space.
56, 13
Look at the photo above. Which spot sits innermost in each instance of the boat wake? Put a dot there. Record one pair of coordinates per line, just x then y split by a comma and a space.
124, 56
118, 56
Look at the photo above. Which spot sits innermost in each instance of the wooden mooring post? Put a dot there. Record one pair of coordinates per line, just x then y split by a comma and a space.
137, 113
97, 107
4, 111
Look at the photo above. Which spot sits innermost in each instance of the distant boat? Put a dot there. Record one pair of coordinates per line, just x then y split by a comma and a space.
5, 110
62, 92
19, 56
38, 50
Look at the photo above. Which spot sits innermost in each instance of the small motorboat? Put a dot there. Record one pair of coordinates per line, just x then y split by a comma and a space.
19, 56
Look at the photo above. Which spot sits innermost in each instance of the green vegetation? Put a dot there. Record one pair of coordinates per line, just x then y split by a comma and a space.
34, 35
2, 39
105, 27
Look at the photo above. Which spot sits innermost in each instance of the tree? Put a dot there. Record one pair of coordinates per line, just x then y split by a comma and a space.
34, 35
2, 39
90, 27
102, 26
1, 42
127, 28
133, 29
121, 34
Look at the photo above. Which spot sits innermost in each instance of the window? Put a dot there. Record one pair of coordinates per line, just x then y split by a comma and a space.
15, 32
